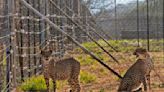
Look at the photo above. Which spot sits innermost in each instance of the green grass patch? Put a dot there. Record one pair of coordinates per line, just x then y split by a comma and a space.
85, 60
86, 77
34, 83
37, 83
125, 45
4, 58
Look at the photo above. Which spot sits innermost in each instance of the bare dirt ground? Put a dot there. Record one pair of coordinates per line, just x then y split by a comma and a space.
107, 82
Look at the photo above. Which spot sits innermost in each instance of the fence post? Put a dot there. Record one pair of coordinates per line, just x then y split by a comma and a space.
1, 60
13, 42
9, 49
42, 28
19, 40
8, 69
76, 9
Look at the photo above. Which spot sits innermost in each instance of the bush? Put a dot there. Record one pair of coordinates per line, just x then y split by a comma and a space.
34, 83
37, 83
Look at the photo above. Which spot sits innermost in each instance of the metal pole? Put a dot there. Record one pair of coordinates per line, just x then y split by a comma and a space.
35, 4
1, 65
20, 43
115, 15
42, 26
138, 33
28, 36
13, 42
8, 50
148, 38
163, 30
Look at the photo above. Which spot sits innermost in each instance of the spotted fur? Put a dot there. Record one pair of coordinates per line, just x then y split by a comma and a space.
68, 68
138, 73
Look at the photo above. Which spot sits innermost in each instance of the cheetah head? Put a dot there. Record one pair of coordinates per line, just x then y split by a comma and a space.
141, 53
46, 54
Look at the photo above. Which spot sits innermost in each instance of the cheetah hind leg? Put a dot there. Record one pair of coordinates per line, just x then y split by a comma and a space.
70, 82
75, 86
148, 80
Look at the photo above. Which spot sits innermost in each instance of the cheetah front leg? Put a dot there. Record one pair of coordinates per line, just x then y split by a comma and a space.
144, 83
47, 83
54, 84
139, 90
148, 80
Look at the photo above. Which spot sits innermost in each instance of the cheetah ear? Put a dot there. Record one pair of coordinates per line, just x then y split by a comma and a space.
42, 52
134, 53
144, 50
50, 51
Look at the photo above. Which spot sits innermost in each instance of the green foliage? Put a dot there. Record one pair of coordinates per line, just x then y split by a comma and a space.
124, 45
34, 83
37, 83
4, 58
85, 60
86, 77
123, 73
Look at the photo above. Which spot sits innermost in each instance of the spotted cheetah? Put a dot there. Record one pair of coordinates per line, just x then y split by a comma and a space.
138, 73
68, 68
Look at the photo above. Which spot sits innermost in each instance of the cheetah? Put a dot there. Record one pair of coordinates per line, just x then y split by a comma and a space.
138, 73
68, 68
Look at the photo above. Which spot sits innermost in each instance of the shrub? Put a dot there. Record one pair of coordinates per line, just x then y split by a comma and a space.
34, 83
37, 83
